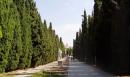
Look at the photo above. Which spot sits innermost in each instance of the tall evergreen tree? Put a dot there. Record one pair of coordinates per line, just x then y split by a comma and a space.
11, 43
24, 40
84, 36
26, 33
107, 37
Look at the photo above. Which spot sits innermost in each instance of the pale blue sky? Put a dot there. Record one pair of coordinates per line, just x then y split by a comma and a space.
65, 15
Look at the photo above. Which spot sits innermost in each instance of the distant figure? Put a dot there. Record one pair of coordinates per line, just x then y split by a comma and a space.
59, 54
71, 57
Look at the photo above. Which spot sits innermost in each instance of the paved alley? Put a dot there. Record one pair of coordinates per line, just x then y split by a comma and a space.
80, 69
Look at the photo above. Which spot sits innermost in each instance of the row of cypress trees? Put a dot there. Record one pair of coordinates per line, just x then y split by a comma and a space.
25, 41
104, 38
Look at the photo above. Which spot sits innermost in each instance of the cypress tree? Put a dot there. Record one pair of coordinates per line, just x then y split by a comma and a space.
26, 33
107, 40
11, 43
83, 36
24, 40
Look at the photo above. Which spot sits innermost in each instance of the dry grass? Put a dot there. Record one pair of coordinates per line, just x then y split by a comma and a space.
5, 75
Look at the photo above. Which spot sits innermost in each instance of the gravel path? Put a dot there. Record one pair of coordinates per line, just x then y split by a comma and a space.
30, 71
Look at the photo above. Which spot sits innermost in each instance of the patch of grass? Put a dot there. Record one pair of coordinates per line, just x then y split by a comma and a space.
40, 74
5, 75
48, 74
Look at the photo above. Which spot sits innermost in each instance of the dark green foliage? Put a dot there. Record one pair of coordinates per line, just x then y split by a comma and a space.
84, 41
11, 44
24, 15
107, 41
69, 51
24, 40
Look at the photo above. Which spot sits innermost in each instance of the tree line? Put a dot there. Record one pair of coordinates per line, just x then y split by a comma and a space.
25, 41
104, 37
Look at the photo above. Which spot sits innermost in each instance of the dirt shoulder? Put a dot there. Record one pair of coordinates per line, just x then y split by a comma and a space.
53, 66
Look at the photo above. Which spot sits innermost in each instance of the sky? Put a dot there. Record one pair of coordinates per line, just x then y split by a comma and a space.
65, 16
